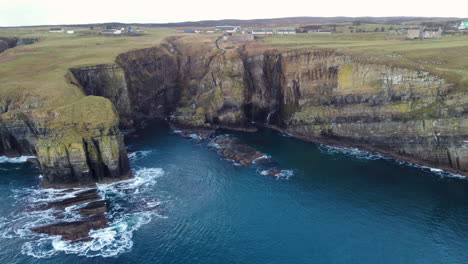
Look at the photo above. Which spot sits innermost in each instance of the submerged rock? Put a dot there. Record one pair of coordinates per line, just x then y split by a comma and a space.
79, 198
91, 208
74, 230
234, 149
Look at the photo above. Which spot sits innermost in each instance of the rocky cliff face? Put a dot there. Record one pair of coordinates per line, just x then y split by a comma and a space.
72, 147
316, 95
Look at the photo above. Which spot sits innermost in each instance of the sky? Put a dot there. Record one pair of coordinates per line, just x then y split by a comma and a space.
50, 12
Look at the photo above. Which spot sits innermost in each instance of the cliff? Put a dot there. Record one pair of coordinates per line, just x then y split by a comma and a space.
319, 95
76, 145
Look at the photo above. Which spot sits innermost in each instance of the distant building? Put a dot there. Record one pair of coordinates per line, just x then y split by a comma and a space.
56, 30
319, 31
108, 31
415, 33
421, 33
433, 34
70, 32
229, 29
262, 32
238, 37
286, 31
463, 25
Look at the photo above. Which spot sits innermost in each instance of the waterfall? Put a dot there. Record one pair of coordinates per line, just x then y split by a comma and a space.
269, 115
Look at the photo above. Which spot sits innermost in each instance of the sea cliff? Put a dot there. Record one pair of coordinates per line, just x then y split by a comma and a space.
319, 95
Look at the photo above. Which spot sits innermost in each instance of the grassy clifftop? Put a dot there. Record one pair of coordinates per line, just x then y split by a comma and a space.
36, 74
446, 57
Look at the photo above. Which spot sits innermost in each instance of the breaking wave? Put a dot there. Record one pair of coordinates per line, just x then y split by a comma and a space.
22, 159
139, 154
360, 154
280, 174
354, 152
132, 204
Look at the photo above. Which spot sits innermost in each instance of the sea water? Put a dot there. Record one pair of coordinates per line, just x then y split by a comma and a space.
186, 204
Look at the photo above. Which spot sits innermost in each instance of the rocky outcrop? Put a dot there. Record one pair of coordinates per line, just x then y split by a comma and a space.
87, 209
76, 145
7, 43
317, 95
234, 149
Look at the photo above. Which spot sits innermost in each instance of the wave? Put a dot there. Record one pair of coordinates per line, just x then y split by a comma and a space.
354, 152
21, 159
364, 155
438, 172
281, 174
132, 205
139, 154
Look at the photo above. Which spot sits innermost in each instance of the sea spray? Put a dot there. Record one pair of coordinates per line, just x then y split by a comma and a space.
132, 205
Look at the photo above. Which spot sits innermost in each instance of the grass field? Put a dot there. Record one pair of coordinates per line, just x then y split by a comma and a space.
37, 72
446, 57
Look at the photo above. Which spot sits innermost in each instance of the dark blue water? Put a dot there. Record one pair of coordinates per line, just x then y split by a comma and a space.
188, 205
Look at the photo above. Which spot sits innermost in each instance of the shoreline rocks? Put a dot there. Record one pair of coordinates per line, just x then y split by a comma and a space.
90, 207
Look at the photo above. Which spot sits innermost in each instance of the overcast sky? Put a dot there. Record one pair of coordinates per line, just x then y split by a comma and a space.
40, 12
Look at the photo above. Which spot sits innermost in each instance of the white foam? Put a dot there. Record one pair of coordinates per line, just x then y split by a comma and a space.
284, 174
214, 145
357, 153
438, 172
139, 154
126, 216
22, 159
195, 137
369, 156
263, 157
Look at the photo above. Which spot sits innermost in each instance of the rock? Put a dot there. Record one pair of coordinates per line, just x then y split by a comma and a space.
74, 230
92, 208
80, 198
234, 149
274, 172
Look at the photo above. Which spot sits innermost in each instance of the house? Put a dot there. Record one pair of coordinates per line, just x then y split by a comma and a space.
70, 32
229, 29
262, 32
286, 31
108, 31
415, 33
463, 25
56, 30
421, 33
433, 34
319, 31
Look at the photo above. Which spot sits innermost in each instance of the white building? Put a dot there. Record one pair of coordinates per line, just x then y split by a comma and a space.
70, 32
286, 31
262, 32
229, 29
463, 25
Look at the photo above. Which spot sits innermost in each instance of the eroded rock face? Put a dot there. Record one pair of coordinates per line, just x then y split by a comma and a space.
76, 145
317, 95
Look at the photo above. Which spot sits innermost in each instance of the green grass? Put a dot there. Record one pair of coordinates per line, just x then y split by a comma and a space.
446, 57
39, 71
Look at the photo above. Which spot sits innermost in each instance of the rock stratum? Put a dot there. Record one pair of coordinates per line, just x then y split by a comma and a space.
318, 95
